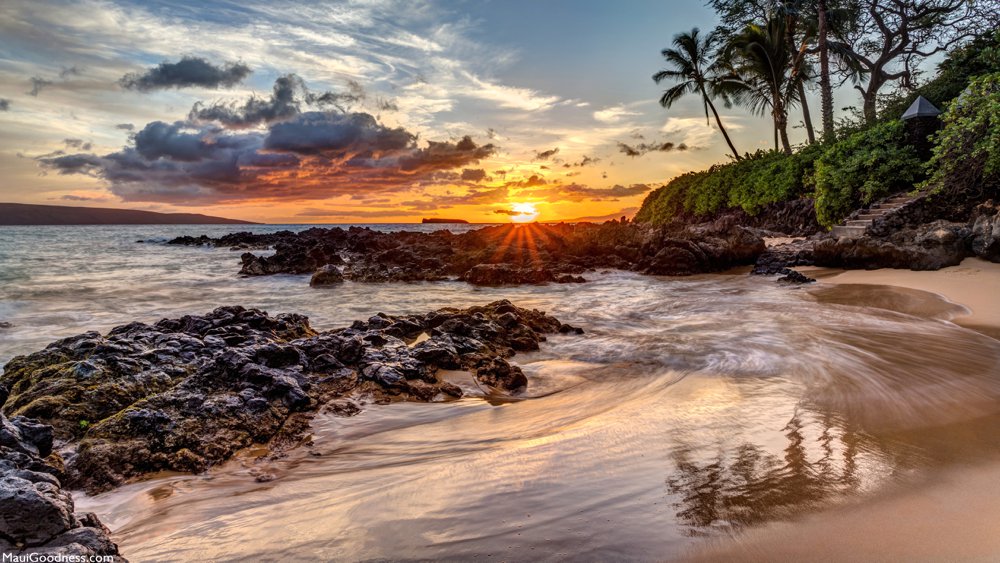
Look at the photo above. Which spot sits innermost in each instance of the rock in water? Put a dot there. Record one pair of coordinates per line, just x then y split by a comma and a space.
506, 274
497, 255
184, 394
36, 515
327, 275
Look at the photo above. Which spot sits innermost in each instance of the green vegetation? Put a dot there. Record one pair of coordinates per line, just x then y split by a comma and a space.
866, 160
750, 184
862, 168
967, 149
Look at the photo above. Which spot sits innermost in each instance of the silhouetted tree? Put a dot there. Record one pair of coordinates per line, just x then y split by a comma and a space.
695, 72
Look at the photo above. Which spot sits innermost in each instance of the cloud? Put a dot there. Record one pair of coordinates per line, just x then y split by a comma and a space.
510, 212
336, 135
613, 114
186, 73
308, 155
531, 181
4, 104
473, 175
578, 192
639, 149
585, 161
38, 84
509, 97
288, 96
472, 197
125, 127
71, 71
78, 144
694, 132
71, 197
545, 155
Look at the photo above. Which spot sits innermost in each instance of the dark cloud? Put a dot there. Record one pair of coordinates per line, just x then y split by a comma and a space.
473, 175
313, 155
545, 155
287, 99
125, 127
38, 84
71, 71
385, 104
336, 135
83, 198
4, 104
531, 181
639, 149
510, 212
78, 144
186, 73
585, 161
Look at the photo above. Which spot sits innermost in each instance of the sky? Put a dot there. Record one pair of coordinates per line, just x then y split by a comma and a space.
356, 111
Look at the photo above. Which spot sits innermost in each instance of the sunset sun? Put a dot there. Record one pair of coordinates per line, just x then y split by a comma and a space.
526, 212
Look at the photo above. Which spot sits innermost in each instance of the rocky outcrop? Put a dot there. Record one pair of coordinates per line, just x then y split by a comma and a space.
37, 515
509, 274
184, 394
927, 247
985, 241
704, 250
500, 255
327, 275
778, 258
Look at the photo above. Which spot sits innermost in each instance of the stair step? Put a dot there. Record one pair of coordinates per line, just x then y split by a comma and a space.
900, 199
859, 223
869, 216
887, 205
848, 231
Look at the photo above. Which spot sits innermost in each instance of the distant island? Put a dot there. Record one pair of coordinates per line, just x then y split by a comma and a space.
26, 214
437, 220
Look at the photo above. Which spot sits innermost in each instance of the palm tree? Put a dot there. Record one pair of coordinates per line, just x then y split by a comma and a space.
769, 71
695, 73
825, 89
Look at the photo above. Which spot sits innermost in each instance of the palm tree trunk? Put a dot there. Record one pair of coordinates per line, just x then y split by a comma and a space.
810, 134
781, 126
723, 129
825, 89
783, 131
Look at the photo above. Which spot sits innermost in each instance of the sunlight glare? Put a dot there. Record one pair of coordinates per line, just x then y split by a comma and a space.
526, 212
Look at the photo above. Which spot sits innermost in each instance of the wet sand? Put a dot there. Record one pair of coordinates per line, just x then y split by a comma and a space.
974, 283
949, 515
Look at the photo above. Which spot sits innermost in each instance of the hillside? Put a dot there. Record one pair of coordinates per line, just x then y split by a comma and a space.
26, 214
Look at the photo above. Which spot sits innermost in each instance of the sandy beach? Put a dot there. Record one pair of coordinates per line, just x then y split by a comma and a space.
974, 283
894, 525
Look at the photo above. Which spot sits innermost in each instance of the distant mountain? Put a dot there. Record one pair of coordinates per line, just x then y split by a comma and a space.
26, 214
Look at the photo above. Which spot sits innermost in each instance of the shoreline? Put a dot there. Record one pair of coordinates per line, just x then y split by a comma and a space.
891, 525
973, 284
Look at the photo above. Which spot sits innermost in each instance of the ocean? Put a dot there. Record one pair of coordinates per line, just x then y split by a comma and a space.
692, 409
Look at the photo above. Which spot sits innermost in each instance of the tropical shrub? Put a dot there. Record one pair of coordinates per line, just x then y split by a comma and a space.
750, 184
966, 155
864, 167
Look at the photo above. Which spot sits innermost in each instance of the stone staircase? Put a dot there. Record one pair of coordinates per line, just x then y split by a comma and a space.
857, 224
